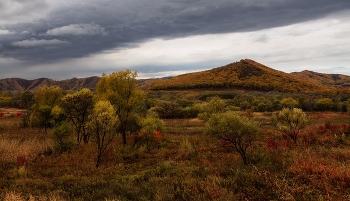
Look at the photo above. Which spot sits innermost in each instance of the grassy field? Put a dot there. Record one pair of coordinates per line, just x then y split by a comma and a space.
185, 164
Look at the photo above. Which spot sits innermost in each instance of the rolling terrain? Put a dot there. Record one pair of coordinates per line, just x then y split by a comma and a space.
333, 80
19, 84
245, 74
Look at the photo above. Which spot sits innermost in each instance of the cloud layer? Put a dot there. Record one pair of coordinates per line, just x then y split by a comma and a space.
77, 29
48, 34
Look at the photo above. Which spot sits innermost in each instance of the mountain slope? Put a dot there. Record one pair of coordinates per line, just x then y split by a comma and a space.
246, 74
334, 80
19, 84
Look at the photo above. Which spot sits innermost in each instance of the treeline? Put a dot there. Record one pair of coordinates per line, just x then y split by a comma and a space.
12, 99
193, 104
189, 105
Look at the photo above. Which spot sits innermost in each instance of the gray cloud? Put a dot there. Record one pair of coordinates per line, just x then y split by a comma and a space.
34, 42
77, 29
6, 32
44, 31
13, 11
134, 21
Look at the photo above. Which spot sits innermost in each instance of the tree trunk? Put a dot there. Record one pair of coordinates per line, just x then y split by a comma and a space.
124, 137
86, 138
98, 161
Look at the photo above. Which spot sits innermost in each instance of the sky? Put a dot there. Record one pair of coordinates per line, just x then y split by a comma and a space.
158, 38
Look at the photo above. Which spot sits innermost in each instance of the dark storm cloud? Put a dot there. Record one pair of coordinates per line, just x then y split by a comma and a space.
75, 30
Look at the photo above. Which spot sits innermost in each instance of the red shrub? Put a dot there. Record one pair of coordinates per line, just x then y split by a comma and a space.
271, 144
322, 129
344, 127
157, 135
283, 143
21, 160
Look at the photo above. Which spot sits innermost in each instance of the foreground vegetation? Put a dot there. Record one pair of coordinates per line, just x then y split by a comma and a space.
121, 143
184, 165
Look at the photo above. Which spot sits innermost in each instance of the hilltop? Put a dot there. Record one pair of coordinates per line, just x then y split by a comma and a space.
245, 74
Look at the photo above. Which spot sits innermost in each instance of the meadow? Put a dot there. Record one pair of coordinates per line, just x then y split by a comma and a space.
184, 164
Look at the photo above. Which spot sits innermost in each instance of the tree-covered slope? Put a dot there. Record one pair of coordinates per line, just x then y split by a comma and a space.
246, 74
334, 80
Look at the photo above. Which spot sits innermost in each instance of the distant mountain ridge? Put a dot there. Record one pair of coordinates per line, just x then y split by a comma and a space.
245, 74
334, 80
19, 84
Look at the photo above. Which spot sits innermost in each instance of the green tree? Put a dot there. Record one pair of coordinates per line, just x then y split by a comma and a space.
27, 99
6, 99
101, 125
77, 107
214, 106
62, 137
121, 90
289, 103
238, 130
167, 109
45, 99
290, 122
45, 116
324, 104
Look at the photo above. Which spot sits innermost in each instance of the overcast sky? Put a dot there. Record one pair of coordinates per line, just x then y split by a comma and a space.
80, 38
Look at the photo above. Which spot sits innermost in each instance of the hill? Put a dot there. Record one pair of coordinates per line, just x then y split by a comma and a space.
245, 74
333, 80
19, 84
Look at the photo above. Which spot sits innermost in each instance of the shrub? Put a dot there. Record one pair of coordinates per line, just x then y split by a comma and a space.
238, 130
63, 141
151, 132
290, 122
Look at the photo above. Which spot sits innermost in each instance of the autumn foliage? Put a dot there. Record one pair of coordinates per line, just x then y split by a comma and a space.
246, 74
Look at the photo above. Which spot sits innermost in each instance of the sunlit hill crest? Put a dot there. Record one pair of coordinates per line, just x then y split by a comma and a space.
245, 74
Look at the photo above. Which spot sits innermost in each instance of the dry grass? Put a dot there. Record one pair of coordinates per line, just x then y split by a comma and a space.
186, 165
15, 141
10, 149
13, 196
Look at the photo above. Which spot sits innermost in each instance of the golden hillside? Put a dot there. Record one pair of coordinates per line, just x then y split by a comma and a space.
334, 80
245, 74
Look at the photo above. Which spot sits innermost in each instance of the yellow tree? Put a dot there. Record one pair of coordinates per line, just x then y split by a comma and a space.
77, 107
45, 99
50, 96
121, 90
101, 125
290, 122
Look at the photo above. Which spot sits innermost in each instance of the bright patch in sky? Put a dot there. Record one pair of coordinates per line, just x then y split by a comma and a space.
291, 48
